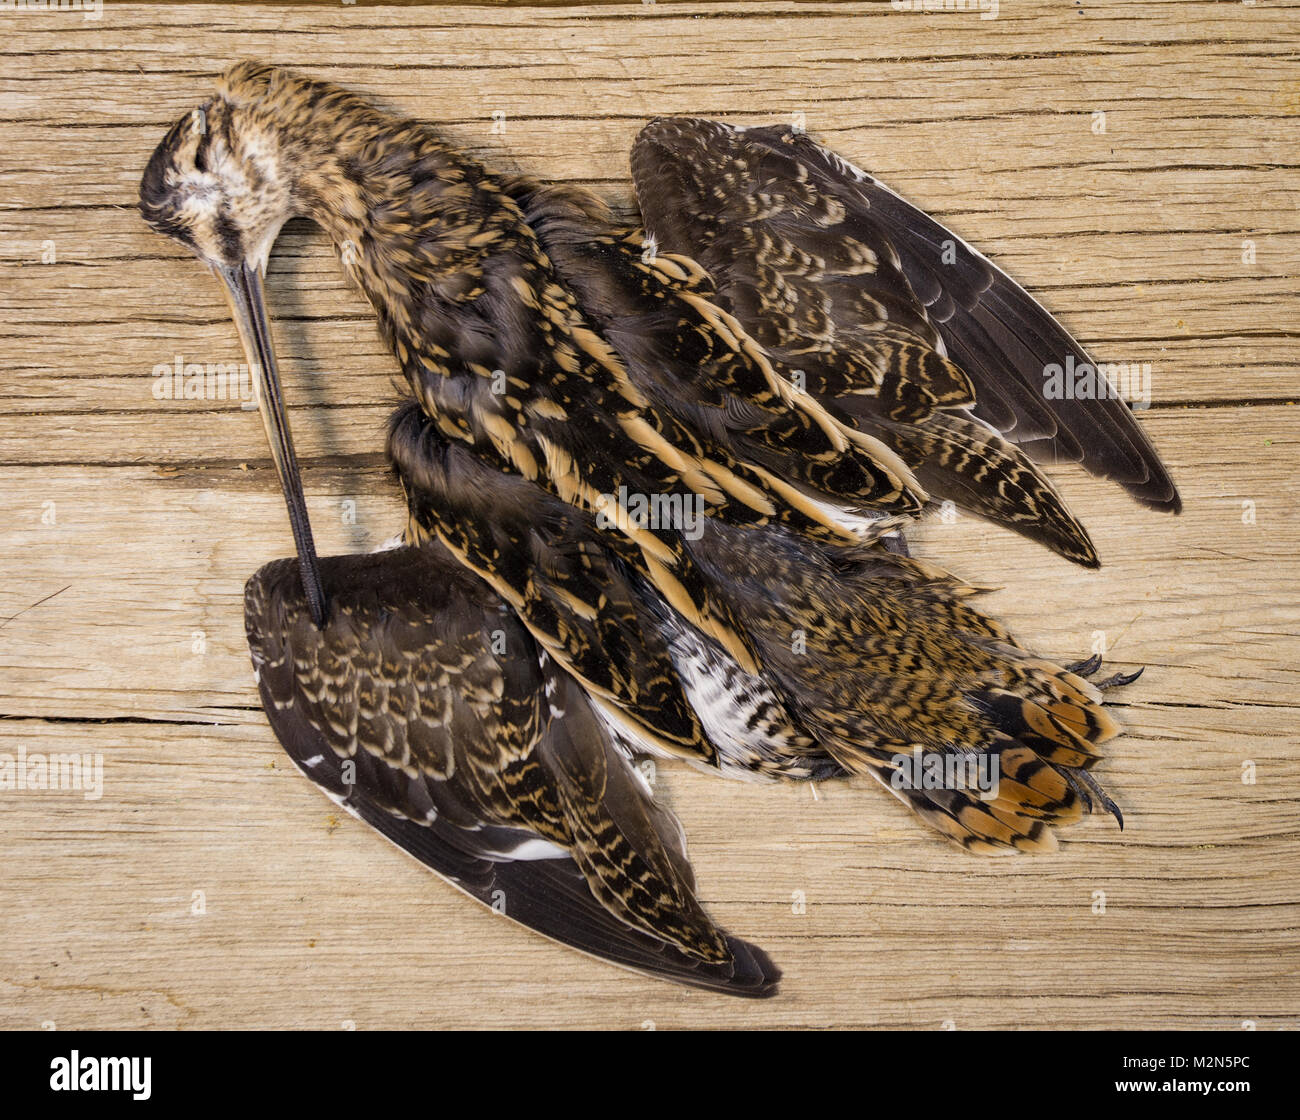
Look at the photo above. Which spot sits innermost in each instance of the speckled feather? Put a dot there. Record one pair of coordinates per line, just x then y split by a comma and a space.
777, 349
424, 707
928, 345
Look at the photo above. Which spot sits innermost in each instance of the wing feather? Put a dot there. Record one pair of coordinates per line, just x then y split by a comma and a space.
516, 794
890, 315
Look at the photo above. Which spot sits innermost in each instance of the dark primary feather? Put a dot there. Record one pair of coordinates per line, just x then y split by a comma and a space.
1004, 338
839, 276
426, 709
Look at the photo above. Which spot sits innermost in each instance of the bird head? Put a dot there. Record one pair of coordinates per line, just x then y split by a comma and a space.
215, 185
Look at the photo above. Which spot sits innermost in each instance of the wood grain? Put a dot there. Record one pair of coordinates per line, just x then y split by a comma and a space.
130, 524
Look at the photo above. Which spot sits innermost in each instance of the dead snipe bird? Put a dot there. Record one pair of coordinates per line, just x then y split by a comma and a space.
656, 482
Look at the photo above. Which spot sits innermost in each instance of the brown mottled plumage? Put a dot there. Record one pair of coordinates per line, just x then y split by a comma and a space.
784, 365
426, 709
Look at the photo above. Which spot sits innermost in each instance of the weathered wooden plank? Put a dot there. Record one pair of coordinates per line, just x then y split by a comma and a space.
1151, 213
129, 524
297, 898
1093, 287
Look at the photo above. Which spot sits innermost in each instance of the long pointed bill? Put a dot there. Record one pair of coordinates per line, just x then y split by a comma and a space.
244, 286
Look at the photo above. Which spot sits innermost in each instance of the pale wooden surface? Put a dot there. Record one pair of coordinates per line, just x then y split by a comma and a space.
163, 509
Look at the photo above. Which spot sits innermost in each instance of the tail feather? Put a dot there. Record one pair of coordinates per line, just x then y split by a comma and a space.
1057, 732
987, 828
891, 659
1042, 783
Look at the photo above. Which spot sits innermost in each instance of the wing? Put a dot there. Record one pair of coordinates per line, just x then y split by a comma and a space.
891, 316
693, 361
427, 710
